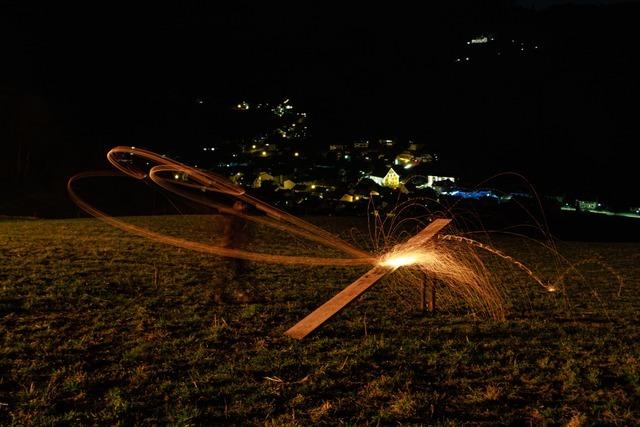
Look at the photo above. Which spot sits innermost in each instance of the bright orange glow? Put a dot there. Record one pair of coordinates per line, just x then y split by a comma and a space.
405, 259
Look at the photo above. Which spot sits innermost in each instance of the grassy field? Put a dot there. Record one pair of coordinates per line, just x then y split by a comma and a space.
101, 327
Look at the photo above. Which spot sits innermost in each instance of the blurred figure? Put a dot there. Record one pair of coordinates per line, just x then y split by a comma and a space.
235, 236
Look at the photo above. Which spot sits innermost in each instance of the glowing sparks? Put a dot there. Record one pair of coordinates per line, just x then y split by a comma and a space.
396, 260
401, 260
453, 261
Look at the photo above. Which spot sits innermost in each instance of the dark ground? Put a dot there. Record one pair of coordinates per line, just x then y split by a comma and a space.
100, 327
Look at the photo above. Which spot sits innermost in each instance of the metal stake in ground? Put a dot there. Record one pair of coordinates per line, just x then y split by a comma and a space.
427, 294
351, 292
423, 293
432, 296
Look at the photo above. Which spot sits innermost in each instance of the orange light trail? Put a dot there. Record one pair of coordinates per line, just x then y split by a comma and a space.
211, 182
461, 274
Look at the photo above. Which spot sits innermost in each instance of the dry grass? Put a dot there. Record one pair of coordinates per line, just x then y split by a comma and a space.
99, 327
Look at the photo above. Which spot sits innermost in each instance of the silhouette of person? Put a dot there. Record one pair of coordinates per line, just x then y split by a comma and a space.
235, 236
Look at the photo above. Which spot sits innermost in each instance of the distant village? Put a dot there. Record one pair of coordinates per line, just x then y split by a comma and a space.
342, 177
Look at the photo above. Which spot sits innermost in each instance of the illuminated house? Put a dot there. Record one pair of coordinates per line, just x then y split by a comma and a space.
432, 179
287, 184
587, 205
262, 176
403, 158
436, 182
480, 40
391, 179
386, 142
363, 190
407, 160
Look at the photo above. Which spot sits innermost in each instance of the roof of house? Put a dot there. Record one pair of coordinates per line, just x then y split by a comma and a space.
381, 170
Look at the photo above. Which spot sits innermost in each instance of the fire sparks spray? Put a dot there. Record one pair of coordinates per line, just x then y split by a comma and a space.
452, 260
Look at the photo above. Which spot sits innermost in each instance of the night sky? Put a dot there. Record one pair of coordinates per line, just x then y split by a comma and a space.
78, 79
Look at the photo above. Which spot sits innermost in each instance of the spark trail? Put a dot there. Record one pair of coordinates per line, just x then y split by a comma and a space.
461, 274
162, 174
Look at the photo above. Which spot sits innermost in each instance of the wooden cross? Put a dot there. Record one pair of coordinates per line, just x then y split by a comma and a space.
323, 313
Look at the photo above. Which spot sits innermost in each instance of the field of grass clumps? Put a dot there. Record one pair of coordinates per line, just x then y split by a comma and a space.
101, 327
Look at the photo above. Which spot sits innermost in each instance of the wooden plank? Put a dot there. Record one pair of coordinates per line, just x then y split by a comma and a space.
337, 303
428, 232
351, 292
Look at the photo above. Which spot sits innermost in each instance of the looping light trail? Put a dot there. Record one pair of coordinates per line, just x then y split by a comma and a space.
461, 274
121, 158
